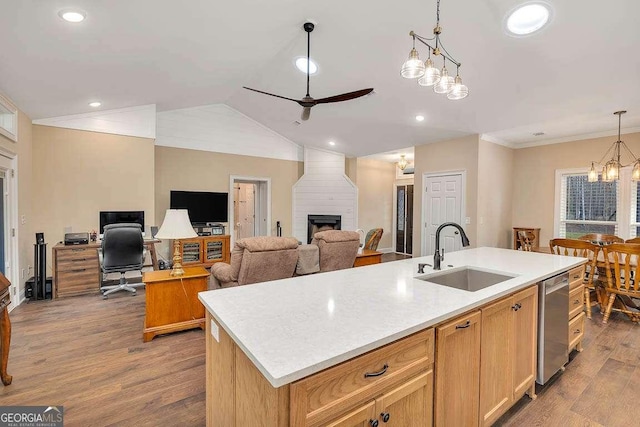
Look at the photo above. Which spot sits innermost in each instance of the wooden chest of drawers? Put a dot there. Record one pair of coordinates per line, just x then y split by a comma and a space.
76, 270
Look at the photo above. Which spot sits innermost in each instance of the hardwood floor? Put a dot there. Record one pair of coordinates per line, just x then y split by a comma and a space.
87, 354
600, 386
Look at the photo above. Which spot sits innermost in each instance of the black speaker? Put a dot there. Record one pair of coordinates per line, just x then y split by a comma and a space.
39, 238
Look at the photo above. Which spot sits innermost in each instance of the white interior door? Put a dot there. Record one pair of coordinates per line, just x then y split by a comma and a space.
8, 260
442, 203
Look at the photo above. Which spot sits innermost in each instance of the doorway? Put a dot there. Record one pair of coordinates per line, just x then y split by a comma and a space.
8, 218
251, 207
443, 202
404, 219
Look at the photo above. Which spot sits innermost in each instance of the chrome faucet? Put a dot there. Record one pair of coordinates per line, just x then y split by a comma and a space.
437, 256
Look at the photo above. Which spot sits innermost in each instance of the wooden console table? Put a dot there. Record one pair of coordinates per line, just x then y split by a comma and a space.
5, 329
76, 270
172, 302
368, 257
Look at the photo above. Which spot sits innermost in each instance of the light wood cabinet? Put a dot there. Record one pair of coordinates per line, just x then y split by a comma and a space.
458, 371
205, 251
507, 353
525, 333
576, 304
364, 416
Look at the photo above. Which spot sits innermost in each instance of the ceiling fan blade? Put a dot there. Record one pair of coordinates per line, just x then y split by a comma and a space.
271, 94
345, 96
306, 112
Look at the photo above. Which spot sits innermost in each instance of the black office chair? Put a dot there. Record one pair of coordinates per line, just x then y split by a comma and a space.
122, 250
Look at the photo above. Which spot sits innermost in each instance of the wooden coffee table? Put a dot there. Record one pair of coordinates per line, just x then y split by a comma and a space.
172, 302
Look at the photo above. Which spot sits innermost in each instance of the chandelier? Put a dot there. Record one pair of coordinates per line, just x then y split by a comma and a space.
402, 163
426, 73
611, 169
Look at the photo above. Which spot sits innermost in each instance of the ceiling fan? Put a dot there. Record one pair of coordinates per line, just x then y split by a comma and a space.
307, 102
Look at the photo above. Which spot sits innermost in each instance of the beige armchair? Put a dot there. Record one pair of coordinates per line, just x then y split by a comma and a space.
338, 249
257, 259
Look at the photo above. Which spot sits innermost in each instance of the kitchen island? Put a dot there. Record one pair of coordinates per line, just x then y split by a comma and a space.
268, 340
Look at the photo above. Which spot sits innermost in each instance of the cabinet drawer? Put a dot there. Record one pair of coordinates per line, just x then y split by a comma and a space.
576, 330
576, 276
78, 264
76, 253
576, 301
336, 389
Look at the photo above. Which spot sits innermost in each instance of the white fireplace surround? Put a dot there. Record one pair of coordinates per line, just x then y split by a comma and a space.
324, 189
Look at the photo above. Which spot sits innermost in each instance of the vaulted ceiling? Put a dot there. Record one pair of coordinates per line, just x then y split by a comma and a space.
564, 81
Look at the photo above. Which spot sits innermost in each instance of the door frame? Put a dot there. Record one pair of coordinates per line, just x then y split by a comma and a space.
394, 213
423, 215
11, 255
263, 198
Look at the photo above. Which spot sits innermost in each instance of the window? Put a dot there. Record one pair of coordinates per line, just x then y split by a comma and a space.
584, 207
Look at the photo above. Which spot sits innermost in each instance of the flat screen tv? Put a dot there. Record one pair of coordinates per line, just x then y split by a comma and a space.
118, 217
203, 206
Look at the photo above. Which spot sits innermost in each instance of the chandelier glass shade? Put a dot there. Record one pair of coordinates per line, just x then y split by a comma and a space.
402, 163
611, 168
426, 73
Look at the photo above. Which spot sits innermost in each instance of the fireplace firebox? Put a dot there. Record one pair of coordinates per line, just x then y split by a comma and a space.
317, 223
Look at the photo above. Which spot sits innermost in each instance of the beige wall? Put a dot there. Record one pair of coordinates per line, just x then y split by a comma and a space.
180, 169
455, 154
534, 177
374, 180
495, 190
26, 237
77, 174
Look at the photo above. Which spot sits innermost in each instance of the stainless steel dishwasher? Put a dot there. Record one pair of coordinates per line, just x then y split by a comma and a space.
553, 326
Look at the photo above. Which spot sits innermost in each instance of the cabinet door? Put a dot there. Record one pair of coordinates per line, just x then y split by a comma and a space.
525, 329
496, 392
191, 250
458, 371
364, 416
409, 405
213, 250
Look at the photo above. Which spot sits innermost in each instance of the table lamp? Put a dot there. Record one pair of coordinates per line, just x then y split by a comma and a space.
176, 226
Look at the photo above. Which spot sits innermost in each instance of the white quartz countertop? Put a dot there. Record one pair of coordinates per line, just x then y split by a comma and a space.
295, 327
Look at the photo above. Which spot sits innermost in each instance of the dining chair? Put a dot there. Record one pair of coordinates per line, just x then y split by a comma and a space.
584, 249
601, 239
526, 239
634, 240
622, 271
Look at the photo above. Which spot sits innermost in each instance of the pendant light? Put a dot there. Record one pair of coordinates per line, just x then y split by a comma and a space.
426, 73
611, 168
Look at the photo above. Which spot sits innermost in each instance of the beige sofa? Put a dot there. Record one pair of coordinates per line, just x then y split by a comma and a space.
264, 258
257, 259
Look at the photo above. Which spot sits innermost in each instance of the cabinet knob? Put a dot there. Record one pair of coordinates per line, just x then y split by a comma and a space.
577, 331
373, 423
385, 416
516, 307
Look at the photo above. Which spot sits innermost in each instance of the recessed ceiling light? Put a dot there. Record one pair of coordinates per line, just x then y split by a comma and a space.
95, 104
72, 15
301, 64
528, 18
332, 143
420, 118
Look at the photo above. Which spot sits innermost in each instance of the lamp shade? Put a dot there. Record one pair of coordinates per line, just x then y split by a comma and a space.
176, 225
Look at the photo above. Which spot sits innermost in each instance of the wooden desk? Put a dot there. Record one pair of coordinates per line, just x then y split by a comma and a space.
172, 302
367, 257
76, 270
5, 329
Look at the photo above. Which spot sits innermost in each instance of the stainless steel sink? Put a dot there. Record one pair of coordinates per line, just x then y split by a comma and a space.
467, 279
